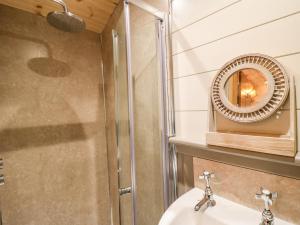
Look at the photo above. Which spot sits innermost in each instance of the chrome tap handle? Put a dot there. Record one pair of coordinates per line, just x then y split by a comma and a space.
267, 196
207, 176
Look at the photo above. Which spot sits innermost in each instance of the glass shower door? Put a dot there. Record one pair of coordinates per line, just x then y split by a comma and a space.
139, 116
122, 123
147, 116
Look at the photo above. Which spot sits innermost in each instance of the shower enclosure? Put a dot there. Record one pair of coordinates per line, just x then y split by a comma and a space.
141, 99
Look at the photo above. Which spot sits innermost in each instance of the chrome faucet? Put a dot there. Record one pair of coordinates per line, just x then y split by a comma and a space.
208, 195
268, 198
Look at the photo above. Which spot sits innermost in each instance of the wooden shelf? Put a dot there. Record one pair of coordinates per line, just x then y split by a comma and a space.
272, 145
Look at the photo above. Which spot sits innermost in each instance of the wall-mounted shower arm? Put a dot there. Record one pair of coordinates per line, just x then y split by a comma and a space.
62, 3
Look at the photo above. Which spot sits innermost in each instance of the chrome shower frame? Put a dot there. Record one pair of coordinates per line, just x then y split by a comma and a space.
167, 127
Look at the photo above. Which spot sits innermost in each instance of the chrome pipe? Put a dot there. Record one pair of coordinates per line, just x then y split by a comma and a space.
161, 47
171, 114
173, 165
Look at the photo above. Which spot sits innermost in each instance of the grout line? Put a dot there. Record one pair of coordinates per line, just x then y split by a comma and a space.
204, 17
238, 32
285, 55
196, 74
214, 70
192, 110
205, 110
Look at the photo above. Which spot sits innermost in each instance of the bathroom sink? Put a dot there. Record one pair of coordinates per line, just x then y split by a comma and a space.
224, 213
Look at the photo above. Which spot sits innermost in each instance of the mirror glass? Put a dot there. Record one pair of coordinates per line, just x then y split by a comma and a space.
246, 87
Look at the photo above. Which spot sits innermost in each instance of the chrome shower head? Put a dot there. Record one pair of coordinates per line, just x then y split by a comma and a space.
65, 20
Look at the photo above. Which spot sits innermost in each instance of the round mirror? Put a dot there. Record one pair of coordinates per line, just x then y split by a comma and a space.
246, 87
249, 88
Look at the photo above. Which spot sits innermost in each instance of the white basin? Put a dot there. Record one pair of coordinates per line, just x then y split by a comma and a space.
226, 212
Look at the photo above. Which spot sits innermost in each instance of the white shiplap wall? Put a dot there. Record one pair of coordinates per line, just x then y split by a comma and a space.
208, 33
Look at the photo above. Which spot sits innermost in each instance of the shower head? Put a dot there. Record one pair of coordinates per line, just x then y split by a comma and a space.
65, 20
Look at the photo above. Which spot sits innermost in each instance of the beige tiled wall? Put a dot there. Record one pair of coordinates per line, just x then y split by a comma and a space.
52, 126
205, 35
241, 185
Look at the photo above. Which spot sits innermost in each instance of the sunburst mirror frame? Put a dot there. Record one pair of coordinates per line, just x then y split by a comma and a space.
278, 88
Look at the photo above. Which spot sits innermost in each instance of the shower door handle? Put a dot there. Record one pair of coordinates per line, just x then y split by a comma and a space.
2, 180
123, 191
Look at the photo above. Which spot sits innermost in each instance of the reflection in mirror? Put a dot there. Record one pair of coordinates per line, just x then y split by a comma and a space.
246, 87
